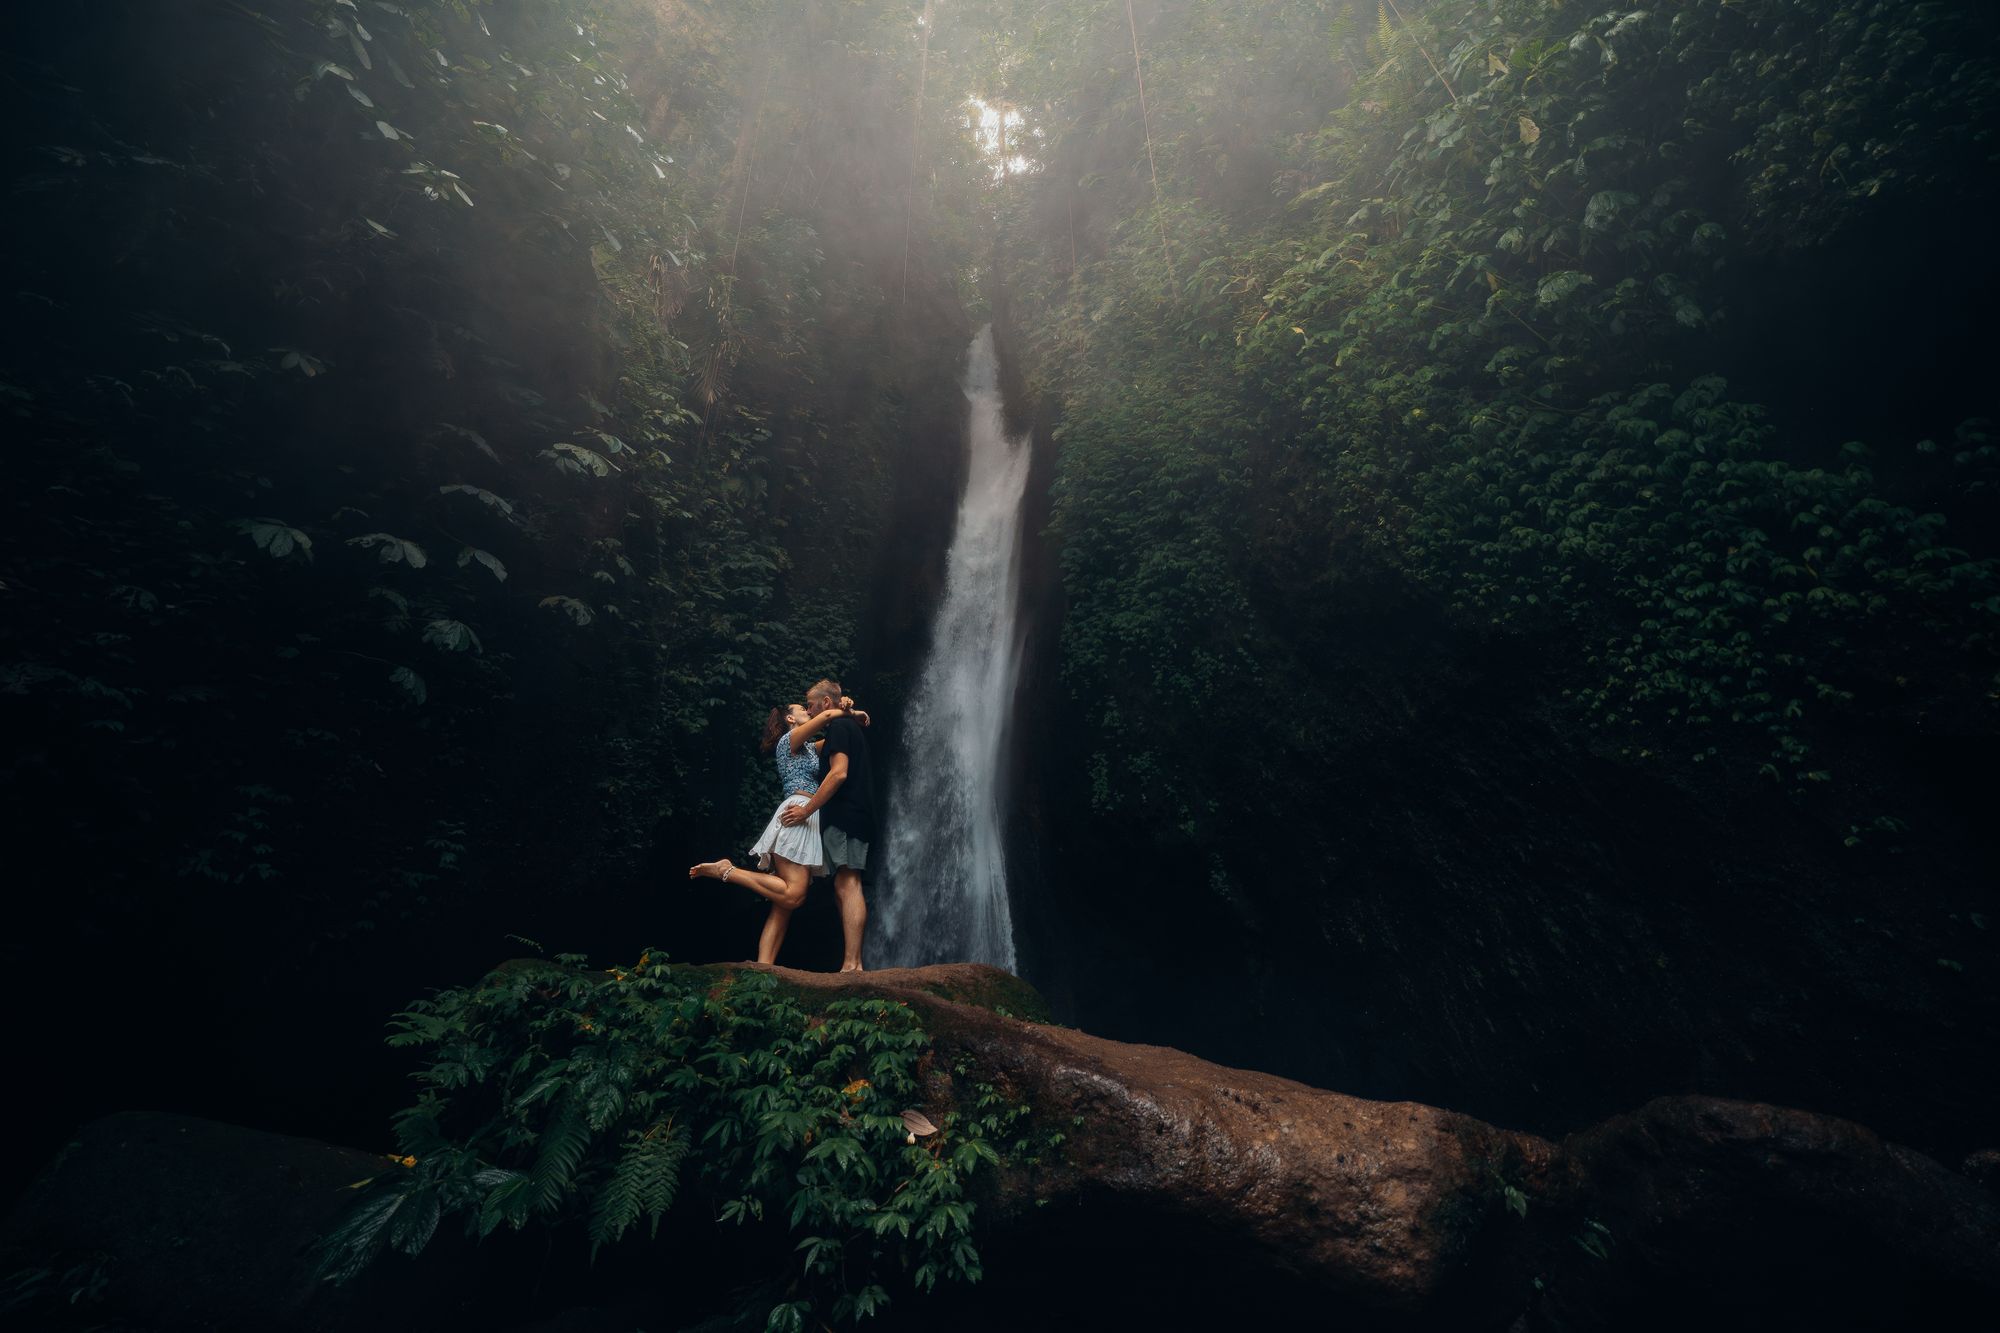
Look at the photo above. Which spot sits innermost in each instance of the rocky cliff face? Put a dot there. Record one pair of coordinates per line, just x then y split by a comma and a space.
1186, 1190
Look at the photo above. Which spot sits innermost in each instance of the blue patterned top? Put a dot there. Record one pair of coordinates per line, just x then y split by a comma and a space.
799, 772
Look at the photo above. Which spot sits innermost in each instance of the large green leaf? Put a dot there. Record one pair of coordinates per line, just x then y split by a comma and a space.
391, 549
485, 497
452, 635
576, 459
412, 683
579, 612
486, 558
276, 536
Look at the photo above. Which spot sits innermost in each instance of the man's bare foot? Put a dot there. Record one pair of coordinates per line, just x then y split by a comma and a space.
711, 869
852, 967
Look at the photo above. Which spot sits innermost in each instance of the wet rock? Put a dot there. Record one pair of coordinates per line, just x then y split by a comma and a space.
1404, 1211
1809, 1220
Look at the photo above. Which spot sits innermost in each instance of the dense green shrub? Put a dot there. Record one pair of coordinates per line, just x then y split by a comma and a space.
557, 1096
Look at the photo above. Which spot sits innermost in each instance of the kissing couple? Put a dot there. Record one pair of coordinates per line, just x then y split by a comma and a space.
822, 826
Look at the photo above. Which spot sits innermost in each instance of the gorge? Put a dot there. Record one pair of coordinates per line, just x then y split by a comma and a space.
1460, 577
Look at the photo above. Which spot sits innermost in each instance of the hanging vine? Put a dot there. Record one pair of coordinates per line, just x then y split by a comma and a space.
1146, 123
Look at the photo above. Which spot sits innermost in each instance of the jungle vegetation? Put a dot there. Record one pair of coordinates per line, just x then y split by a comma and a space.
1520, 531
556, 1095
1480, 336
438, 430
429, 425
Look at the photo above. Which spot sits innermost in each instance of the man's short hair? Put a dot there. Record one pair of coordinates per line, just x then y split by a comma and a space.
826, 689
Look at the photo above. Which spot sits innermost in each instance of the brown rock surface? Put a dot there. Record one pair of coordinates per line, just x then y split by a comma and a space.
1399, 1208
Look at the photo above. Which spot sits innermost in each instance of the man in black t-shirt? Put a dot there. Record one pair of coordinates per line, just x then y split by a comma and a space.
845, 803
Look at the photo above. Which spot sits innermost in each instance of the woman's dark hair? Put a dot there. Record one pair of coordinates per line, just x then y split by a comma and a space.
774, 727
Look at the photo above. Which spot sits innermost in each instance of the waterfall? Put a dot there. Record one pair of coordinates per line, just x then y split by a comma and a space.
944, 889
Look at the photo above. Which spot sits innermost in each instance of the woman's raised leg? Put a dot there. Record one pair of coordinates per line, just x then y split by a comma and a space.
770, 886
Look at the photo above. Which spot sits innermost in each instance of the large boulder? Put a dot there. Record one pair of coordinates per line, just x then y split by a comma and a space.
170, 1221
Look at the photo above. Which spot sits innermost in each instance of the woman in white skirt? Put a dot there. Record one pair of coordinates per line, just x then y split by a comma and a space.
787, 857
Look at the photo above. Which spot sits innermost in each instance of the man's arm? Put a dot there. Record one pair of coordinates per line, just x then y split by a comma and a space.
828, 785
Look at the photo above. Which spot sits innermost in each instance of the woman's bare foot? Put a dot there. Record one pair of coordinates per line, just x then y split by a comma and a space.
855, 967
712, 869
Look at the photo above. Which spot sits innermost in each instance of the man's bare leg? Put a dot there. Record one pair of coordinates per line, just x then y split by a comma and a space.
853, 915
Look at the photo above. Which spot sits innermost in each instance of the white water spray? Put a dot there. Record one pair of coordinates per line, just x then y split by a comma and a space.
944, 891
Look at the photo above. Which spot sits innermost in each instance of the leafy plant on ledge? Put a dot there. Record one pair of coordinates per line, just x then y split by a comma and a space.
565, 1097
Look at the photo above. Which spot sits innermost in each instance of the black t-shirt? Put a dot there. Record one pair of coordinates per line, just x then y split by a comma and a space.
852, 808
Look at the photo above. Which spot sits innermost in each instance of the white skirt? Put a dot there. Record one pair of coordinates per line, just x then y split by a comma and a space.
798, 844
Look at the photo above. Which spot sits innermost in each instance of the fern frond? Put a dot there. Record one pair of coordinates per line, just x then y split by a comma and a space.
617, 1209
1385, 33
603, 1092
645, 1181
550, 1081
420, 1025
662, 1181
562, 1148
353, 1245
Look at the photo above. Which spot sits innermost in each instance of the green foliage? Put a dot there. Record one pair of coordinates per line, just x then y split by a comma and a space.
1594, 1239
390, 375
1712, 578
279, 538
604, 1100
1174, 624
1465, 355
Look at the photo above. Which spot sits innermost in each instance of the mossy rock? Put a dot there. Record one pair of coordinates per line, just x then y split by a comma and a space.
974, 984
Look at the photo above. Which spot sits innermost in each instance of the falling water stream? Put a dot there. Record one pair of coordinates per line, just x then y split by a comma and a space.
944, 890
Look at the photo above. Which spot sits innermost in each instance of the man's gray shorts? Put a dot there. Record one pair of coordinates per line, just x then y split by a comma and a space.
842, 850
